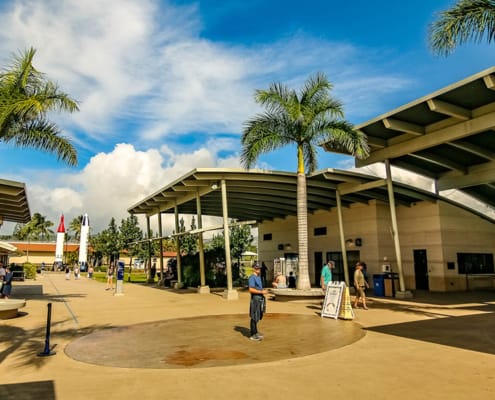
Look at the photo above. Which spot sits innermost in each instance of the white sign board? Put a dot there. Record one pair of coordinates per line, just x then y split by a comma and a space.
333, 300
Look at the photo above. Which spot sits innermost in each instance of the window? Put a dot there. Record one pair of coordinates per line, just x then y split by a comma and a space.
267, 236
321, 231
475, 263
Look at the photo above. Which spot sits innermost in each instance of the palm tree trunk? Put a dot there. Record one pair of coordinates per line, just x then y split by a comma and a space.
303, 281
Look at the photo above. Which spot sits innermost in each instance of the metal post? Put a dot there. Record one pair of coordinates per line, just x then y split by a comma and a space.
47, 351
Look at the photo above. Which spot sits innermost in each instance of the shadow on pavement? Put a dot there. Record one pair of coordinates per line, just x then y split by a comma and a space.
474, 332
28, 391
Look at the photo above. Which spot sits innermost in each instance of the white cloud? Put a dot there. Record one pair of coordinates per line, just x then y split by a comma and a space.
112, 182
145, 77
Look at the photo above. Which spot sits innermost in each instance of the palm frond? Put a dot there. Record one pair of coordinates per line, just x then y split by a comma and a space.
262, 134
42, 135
26, 97
342, 138
466, 20
310, 157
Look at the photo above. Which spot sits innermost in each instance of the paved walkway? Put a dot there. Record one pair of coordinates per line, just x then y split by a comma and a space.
155, 343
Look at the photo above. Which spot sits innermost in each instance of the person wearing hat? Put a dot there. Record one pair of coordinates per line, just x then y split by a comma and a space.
360, 284
257, 305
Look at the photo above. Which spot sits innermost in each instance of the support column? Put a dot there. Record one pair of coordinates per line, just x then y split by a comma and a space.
230, 293
342, 238
160, 234
177, 227
150, 247
203, 288
395, 233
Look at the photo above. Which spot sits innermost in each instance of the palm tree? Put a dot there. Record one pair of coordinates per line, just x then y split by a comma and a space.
305, 120
39, 227
26, 97
466, 20
75, 226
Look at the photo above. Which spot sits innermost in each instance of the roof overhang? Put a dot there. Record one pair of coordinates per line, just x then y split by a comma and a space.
7, 248
266, 195
14, 206
448, 136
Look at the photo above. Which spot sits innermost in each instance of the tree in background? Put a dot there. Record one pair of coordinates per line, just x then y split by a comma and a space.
188, 242
304, 120
129, 233
75, 226
240, 241
106, 243
467, 20
38, 228
26, 97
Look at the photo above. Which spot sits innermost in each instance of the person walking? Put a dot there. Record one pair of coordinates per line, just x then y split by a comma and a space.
257, 305
7, 284
110, 277
264, 269
2, 271
326, 274
360, 284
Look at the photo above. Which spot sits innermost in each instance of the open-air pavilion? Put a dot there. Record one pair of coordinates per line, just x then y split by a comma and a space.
14, 207
254, 197
446, 136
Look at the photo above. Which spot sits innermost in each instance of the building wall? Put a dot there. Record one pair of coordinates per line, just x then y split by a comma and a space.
441, 229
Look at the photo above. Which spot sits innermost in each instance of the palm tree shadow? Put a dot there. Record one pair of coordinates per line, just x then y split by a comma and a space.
29, 343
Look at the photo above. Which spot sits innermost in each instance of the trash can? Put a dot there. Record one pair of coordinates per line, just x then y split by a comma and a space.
390, 284
378, 285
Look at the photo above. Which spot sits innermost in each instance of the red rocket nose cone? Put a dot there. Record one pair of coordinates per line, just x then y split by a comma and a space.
61, 227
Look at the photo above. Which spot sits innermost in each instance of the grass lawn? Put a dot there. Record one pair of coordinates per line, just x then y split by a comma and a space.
136, 277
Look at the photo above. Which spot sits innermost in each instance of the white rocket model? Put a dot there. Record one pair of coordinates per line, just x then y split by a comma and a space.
83, 244
59, 248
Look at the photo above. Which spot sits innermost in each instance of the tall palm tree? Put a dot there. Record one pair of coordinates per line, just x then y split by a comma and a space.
75, 226
26, 97
39, 227
464, 21
306, 120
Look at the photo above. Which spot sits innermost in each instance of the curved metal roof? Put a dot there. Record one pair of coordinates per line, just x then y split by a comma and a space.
448, 135
14, 206
265, 195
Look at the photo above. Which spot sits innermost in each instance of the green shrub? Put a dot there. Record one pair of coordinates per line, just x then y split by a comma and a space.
29, 271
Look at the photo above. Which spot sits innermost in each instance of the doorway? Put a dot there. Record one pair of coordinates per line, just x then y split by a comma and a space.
421, 269
338, 274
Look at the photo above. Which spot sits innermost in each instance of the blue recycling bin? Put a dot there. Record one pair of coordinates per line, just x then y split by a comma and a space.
379, 285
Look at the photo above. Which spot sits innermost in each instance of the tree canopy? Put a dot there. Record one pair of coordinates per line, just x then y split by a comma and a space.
466, 20
26, 97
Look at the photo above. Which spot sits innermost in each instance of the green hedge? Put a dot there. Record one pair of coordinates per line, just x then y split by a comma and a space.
29, 271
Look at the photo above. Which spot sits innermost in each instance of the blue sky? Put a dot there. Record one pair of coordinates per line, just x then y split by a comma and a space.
165, 86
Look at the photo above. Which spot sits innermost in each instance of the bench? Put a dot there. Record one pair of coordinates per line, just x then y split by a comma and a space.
9, 308
18, 275
297, 294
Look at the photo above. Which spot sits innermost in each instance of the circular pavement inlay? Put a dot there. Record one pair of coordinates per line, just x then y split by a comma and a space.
212, 341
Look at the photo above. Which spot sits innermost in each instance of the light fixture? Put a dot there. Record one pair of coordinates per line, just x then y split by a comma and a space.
349, 242
288, 247
214, 186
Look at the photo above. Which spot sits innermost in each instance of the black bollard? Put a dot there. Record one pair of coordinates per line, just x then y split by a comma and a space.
47, 351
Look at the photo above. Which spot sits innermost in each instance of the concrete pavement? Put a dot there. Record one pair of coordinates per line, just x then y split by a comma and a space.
153, 343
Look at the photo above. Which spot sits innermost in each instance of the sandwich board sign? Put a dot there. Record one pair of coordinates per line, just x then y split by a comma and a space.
333, 298
337, 303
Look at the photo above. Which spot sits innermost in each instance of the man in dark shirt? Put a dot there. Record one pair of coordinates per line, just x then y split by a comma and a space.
257, 305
